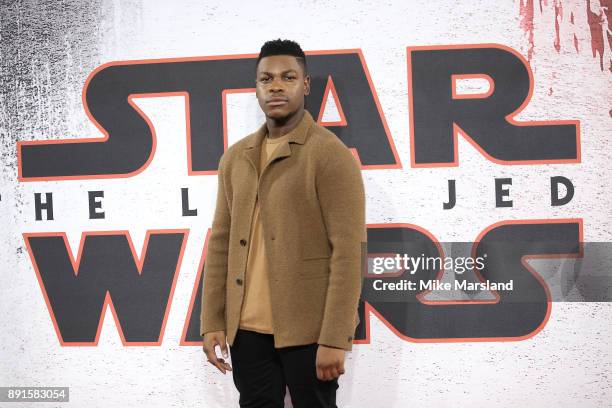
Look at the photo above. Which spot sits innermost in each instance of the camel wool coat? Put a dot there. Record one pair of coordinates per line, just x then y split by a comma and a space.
312, 208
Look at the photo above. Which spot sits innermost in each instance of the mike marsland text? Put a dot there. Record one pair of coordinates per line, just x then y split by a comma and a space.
434, 284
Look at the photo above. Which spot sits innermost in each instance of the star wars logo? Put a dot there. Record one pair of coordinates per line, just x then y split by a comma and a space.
139, 287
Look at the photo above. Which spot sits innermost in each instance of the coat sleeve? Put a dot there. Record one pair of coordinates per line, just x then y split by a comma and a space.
342, 199
212, 317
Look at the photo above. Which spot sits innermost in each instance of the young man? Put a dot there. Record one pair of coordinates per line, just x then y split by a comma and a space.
282, 274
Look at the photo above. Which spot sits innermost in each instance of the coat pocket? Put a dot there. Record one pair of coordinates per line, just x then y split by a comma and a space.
315, 268
309, 257
309, 252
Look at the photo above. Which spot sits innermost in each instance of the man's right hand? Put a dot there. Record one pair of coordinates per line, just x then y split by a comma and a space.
212, 340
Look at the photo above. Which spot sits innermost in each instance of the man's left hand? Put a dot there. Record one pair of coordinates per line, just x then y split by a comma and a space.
330, 362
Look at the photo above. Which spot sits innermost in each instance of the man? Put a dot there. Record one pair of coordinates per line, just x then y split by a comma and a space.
282, 273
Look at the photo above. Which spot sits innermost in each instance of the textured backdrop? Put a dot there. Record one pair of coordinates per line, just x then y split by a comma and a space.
48, 51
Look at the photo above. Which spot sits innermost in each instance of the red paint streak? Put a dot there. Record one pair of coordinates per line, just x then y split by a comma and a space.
558, 16
526, 13
606, 5
576, 43
575, 38
599, 21
595, 25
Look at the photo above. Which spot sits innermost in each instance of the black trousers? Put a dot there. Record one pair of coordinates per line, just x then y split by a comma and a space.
261, 373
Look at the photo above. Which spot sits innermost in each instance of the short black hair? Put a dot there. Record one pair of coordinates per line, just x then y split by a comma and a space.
283, 47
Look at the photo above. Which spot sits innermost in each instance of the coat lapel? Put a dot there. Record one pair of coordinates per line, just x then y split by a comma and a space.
252, 150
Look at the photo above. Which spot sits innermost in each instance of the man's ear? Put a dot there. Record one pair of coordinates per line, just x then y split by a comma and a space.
307, 85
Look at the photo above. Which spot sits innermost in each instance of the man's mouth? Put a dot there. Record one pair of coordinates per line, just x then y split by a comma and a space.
276, 102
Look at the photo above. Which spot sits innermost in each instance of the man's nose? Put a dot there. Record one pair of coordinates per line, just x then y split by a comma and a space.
276, 85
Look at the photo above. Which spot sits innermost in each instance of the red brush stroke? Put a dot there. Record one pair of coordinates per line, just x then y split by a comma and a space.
576, 43
595, 25
606, 6
526, 12
598, 21
558, 16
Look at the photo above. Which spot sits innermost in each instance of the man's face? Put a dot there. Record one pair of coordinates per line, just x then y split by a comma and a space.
281, 86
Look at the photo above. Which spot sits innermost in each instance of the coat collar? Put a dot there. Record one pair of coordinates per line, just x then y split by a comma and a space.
298, 135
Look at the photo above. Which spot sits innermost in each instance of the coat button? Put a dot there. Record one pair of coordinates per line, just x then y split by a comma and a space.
272, 238
350, 338
239, 281
243, 242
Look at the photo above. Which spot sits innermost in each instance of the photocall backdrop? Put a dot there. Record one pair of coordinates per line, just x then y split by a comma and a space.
472, 122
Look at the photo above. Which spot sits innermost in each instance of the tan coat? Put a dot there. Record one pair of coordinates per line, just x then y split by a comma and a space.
312, 206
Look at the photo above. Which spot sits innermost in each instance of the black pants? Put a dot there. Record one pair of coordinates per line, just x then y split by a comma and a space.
261, 373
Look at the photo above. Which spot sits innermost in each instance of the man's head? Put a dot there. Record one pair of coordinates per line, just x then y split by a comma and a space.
281, 79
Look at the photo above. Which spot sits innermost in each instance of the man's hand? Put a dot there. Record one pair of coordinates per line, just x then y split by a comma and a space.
330, 362
211, 340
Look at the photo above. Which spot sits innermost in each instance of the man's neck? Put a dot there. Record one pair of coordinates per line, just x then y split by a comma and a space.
276, 129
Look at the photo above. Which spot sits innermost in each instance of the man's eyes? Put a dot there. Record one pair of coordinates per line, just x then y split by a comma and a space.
286, 77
